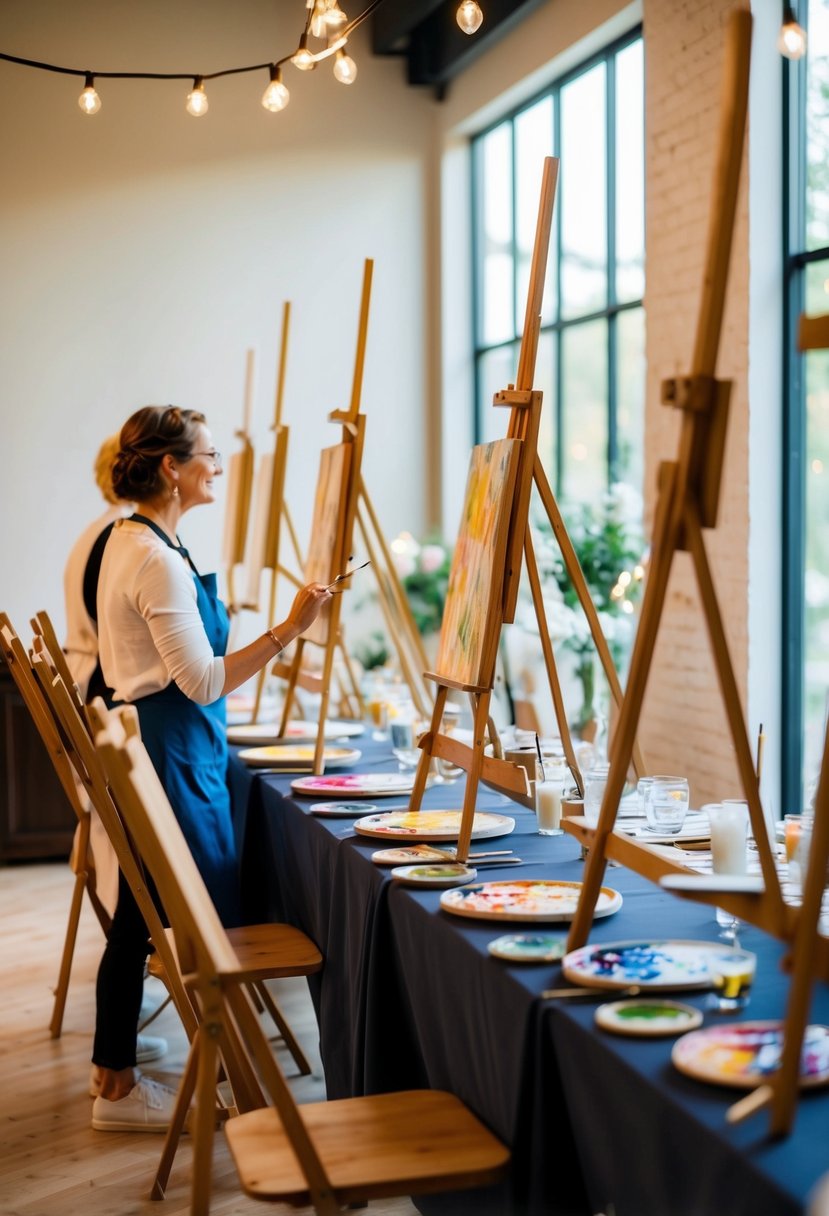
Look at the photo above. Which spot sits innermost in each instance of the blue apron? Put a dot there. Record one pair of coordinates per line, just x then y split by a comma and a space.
187, 744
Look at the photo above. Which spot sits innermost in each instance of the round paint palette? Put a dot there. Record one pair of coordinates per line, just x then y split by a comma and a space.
251, 734
432, 825
745, 1054
527, 948
648, 1019
345, 810
415, 854
355, 785
660, 965
534, 899
452, 874
297, 755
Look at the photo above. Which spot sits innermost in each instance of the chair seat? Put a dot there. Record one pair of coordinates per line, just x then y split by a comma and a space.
264, 952
414, 1142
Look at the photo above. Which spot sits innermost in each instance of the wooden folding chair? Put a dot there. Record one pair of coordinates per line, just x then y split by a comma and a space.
80, 860
415, 1142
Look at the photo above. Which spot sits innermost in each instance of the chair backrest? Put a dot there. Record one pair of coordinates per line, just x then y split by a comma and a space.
75, 730
42, 627
205, 953
20, 667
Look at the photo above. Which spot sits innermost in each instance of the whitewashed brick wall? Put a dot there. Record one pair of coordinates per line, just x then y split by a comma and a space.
684, 728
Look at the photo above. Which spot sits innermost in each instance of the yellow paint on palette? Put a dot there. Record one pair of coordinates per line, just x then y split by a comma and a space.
472, 616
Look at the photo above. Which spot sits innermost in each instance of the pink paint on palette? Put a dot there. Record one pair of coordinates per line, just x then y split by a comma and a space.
356, 785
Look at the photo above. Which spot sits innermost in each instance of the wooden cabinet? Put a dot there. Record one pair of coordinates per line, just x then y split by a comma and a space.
36, 820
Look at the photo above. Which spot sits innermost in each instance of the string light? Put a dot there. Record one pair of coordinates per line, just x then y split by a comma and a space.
197, 103
89, 101
469, 16
325, 21
345, 69
276, 95
791, 41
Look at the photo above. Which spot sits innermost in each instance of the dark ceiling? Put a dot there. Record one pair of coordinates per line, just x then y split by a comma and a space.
426, 33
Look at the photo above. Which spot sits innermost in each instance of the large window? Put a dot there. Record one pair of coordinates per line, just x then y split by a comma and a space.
590, 363
806, 611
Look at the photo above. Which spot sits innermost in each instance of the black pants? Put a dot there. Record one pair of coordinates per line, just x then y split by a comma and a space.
121, 981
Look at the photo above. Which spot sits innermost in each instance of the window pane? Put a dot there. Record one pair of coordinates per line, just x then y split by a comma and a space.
630, 174
817, 288
630, 398
817, 126
533, 141
545, 380
495, 235
496, 369
583, 194
584, 399
816, 639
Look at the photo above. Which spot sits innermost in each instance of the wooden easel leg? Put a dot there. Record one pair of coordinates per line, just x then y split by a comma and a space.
473, 776
62, 989
325, 697
550, 661
352, 679
291, 689
289, 523
260, 679
426, 752
577, 578
785, 1083
733, 708
665, 540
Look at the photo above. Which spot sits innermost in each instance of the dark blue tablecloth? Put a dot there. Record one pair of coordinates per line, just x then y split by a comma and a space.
409, 996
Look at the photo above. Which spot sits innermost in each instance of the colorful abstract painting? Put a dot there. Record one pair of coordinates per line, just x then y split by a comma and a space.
472, 616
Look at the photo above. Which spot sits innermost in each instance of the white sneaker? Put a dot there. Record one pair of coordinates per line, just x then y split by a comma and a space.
148, 1048
148, 1107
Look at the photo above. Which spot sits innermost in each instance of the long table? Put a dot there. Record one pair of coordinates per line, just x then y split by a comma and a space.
409, 996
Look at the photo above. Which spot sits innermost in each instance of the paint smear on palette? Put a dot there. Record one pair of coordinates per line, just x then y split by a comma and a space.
746, 1053
477, 576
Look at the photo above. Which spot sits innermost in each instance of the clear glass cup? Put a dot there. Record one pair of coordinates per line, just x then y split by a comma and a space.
732, 973
595, 783
548, 807
667, 805
728, 822
402, 732
643, 788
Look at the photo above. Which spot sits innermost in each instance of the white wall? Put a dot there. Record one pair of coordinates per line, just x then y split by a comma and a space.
143, 251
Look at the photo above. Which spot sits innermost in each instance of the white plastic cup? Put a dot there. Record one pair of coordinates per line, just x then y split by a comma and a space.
548, 807
729, 830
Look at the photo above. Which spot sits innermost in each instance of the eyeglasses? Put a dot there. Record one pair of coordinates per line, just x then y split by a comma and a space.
213, 455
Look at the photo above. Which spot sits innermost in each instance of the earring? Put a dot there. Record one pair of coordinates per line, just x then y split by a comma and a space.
174, 490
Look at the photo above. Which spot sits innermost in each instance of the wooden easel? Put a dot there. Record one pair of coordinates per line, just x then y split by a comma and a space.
513, 548
687, 503
239, 484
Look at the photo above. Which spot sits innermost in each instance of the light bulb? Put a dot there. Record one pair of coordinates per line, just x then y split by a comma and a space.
89, 101
302, 57
469, 16
319, 25
197, 103
791, 41
345, 69
276, 95
335, 18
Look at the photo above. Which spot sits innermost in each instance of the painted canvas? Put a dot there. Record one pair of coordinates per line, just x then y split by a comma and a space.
325, 558
237, 510
472, 616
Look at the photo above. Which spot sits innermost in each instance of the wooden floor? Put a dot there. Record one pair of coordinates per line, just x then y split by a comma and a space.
51, 1161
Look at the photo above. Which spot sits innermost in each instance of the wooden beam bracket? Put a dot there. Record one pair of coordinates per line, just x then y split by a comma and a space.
695, 393
514, 397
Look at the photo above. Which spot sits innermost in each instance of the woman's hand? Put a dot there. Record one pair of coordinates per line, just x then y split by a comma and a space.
308, 603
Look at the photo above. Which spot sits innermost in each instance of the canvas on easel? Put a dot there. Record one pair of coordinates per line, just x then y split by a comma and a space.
494, 546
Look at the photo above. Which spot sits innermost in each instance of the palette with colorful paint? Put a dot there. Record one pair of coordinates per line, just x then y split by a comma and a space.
662, 966
341, 810
432, 825
650, 1018
450, 874
745, 1054
355, 785
527, 948
291, 755
533, 899
251, 734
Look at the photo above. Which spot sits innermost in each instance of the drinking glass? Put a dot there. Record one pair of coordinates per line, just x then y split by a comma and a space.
667, 804
731, 974
548, 807
728, 821
595, 783
403, 743
643, 789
